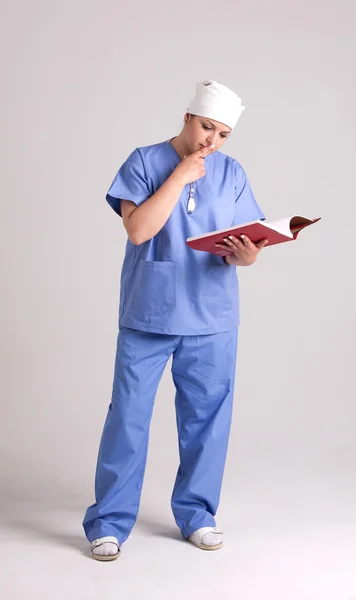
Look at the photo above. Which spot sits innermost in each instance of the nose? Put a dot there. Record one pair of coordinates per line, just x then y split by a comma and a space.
212, 138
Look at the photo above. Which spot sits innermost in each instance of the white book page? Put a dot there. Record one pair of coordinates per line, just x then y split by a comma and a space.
281, 225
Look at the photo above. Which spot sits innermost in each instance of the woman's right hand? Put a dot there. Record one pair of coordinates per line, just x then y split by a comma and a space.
192, 167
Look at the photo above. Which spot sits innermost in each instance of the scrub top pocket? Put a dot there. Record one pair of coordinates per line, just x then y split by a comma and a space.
153, 288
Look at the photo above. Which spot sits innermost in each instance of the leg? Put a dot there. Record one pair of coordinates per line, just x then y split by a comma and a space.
140, 361
204, 373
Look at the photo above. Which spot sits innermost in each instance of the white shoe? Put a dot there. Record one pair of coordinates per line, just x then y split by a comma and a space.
207, 538
105, 548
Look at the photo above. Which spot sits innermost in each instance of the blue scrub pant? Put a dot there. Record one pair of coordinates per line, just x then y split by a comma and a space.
203, 369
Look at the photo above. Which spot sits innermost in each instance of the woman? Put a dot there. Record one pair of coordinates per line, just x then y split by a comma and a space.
175, 301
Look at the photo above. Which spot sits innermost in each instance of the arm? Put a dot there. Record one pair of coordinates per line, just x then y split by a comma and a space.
143, 222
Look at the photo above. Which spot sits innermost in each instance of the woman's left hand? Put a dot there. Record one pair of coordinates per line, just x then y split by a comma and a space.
244, 251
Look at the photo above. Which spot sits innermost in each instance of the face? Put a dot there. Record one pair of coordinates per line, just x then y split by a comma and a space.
201, 131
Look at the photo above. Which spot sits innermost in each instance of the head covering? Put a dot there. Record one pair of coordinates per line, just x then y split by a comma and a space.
216, 101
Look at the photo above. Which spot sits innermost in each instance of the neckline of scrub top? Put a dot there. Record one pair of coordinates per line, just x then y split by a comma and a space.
169, 142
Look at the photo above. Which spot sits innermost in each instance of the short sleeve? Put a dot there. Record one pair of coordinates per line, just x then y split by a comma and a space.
130, 183
246, 207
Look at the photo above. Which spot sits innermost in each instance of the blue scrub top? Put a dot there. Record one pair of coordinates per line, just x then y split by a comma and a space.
167, 287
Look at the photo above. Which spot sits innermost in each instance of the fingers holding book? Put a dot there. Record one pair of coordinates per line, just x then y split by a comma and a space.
243, 249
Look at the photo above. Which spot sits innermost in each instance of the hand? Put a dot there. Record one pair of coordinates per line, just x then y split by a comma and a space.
244, 251
192, 167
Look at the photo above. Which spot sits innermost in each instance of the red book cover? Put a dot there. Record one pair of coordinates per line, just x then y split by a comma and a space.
276, 232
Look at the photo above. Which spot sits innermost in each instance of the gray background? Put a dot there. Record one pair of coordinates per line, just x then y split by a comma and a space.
84, 83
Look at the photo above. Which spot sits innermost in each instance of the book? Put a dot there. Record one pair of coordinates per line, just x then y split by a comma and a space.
276, 232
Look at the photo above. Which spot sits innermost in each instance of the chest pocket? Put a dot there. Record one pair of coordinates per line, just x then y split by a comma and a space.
152, 289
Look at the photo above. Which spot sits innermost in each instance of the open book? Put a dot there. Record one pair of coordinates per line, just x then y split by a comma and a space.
276, 232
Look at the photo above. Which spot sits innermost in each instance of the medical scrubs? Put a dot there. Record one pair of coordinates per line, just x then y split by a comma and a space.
181, 303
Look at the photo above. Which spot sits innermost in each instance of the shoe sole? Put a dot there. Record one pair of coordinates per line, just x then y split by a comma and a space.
105, 558
204, 547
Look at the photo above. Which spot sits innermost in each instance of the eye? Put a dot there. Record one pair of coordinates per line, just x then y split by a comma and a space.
223, 136
206, 127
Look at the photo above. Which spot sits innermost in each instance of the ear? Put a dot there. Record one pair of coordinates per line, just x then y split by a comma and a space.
187, 117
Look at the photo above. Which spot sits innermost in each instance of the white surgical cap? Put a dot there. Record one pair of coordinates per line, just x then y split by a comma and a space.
216, 101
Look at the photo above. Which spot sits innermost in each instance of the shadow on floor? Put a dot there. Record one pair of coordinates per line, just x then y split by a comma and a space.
148, 524
49, 531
